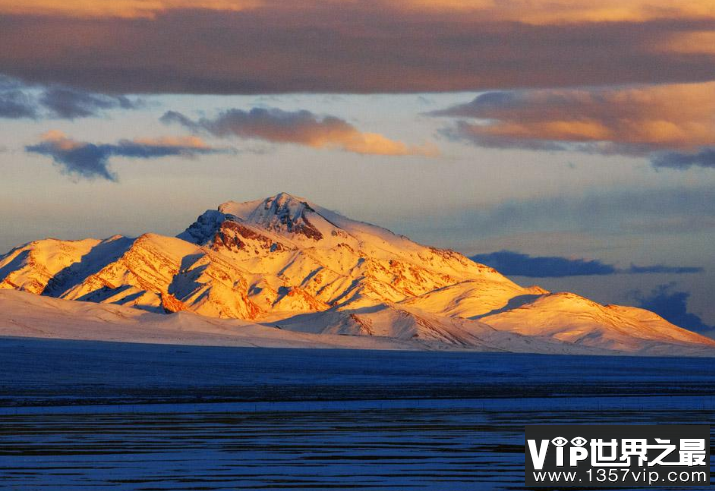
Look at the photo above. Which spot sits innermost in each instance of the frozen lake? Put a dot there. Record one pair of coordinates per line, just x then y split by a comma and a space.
118, 416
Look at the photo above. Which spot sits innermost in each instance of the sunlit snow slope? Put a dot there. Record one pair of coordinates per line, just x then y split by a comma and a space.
286, 262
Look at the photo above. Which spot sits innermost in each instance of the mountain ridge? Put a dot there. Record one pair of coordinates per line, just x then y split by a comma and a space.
284, 260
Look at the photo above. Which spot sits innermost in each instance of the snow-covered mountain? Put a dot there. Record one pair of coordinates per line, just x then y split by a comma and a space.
286, 262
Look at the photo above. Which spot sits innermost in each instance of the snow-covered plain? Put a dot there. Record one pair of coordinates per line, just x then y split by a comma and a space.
78, 414
285, 272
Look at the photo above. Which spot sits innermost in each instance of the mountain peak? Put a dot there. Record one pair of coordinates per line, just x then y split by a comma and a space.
281, 202
284, 198
293, 217
283, 214
286, 213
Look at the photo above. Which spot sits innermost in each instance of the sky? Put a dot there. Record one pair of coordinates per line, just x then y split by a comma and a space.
570, 144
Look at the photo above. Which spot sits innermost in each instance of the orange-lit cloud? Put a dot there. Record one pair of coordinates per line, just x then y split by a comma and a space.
628, 120
173, 141
527, 11
376, 144
569, 11
60, 140
690, 42
117, 8
298, 127
354, 46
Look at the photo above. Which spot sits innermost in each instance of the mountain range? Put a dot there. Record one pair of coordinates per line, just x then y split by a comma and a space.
290, 271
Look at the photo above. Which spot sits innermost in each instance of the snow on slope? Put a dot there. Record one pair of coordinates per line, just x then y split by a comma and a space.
579, 321
25, 315
284, 260
425, 329
326, 259
474, 298
381, 328
31, 266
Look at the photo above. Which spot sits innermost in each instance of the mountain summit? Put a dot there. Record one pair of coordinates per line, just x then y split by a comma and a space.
282, 213
289, 263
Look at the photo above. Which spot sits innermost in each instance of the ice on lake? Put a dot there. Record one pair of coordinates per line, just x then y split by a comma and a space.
120, 416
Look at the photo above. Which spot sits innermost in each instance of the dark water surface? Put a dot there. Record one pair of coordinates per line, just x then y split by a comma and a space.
86, 415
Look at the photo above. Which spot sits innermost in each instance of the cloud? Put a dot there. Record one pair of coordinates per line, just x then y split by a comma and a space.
68, 103
661, 269
527, 11
690, 42
517, 264
15, 104
671, 224
91, 161
672, 305
18, 100
117, 8
678, 160
567, 11
674, 125
636, 120
370, 46
662, 211
298, 127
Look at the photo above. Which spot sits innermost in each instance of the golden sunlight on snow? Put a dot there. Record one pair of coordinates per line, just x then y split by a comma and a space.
294, 266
